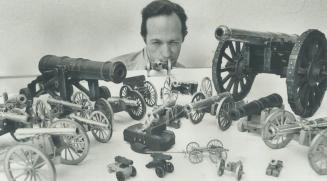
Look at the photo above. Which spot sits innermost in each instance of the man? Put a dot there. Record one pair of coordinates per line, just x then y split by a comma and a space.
163, 30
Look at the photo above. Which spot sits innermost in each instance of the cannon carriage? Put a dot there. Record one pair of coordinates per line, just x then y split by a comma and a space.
242, 54
161, 164
158, 66
123, 167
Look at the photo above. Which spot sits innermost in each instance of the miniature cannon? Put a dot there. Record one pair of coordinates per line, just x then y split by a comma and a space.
145, 88
218, 105
235, 167
172, 88
282, 127
242, 54
123, 167
158, 66
214, 147
60, 74
160, 163
274, 168
256, 112
64, 142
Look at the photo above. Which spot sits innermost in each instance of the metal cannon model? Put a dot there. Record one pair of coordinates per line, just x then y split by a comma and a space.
123, 167
242, 54
60, 74
282, 127
63, 142
274, 168
158, 66
160, 163
256, 112
145, 88
218, 105
172, 88
235, 167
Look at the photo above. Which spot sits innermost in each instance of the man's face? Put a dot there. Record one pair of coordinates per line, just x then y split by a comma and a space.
164, 38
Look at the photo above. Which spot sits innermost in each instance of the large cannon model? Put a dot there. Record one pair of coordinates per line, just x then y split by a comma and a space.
63, 142
242, 54
218, 105
60, 74
256, 112
145, 88
282, 127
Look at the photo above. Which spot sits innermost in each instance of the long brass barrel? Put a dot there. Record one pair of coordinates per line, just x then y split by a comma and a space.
298, 126
89, 121
65, 103
126, 101
17, 99
14, 117
204, 103
28, 132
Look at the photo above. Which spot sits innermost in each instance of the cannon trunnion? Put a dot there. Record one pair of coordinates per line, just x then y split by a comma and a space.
242, 54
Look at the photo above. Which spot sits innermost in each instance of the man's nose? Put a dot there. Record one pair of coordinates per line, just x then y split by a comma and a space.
166, 51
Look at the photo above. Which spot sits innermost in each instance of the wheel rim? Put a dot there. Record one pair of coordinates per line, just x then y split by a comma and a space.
82, 99
124, 91
137, 112
24, 162
101, 134
167, 93
318, 153
206, 87
230, 72
222, 114
307, 73
150, 96
221, 168
104, 92
197, 115
215, 148
195, 156
270, 134
192, 146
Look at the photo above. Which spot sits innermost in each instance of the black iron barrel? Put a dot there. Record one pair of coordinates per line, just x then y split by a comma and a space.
84, 69
255, 107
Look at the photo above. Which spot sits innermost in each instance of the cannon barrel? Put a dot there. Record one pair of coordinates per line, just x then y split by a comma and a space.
14, 117
298, 126
17, 99
84, 69
89, 121
204, 103
126, 101
28, 132
255, 107
161, 108
65, 103
225, 33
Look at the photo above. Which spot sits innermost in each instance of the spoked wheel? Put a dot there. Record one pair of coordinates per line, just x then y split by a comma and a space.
43, 113
124, 90
230, 69
195, 156
222, 114
169, 167
206, 87
25, 162
136, 112
74, 148
197, 115
150, 94
239, 171
221, 167
167, 93
318, 153
270, 134
104, 92
307, 73
160, 171
82, 99
101, 134
104, 106
216, 150
192, 146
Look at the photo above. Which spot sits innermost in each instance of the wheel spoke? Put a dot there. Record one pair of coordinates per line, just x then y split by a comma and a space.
232, 49
227, 57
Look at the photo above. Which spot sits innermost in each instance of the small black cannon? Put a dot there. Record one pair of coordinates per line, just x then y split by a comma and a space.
242, 54
158, 66
60, 74
123, 167
160, 163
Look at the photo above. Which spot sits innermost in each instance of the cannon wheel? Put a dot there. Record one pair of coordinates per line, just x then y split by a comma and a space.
206, 87
160, 171
166, 92
197, 115
230, 71
124, 90
306, 76
317, 153
18, 125
82, 99
239, 171
169, 167
104, 92
103, 106
150, 95
25, 161
137, 113
275, 119
222, 114
192, 146
43, 113
74, 148
215, 148
195, 156
101, 134
221, 167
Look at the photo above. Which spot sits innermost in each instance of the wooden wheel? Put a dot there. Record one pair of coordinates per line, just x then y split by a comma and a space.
221, 167
230, 69
206, 87
150, 94
215, 148
222, 114
82, 99
124, 90
104, 92
318, 153
197, 115
270, 134
136, 112
24, 162
167, 93
239, 171
101, 134
306, 77
195, 156
192, 146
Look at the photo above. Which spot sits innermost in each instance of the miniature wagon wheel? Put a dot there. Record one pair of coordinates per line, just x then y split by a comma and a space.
206, 87
195, 156
136, 112
306, 77
222, 114
192, 146
230, 69
24, 162
73, 149
82, 99
216, 150
104, 92
270, 131
43, 113
197, 115
104, 106
150, 94
221, 167
167, 93
101, 134
318, 153
239, 171
124, 90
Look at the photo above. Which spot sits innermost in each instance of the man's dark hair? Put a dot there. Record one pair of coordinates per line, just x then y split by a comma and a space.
163, 7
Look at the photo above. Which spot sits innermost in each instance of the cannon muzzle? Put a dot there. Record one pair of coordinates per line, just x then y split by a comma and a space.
84, 69
14, 117
29, 132
17, 99
255, 107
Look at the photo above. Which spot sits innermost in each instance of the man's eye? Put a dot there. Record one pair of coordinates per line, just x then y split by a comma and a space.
175, 43
156, 43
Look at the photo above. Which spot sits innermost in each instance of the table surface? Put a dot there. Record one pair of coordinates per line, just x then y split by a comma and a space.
244, 146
